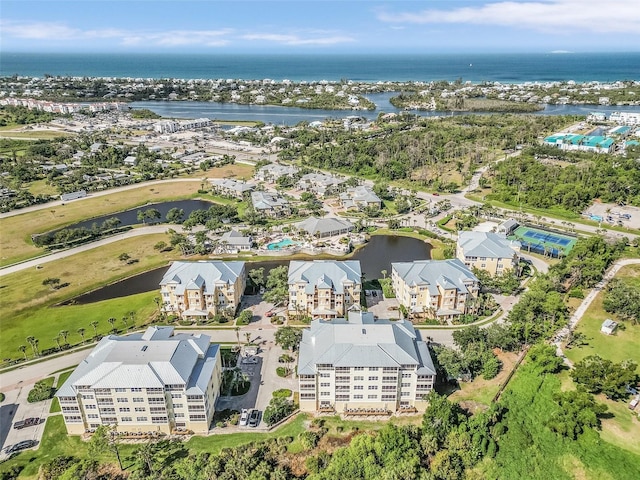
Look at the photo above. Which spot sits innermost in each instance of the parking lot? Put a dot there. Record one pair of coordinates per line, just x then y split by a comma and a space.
15, 408
384, 308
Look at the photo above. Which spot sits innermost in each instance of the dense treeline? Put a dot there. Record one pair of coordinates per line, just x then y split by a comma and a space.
540, 184
12, 115
421, 149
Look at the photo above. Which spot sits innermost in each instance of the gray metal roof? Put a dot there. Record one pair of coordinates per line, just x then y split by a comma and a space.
150, 360
314, 225
362, 341
267, 201
431, 273
325, 274
233, 237
487, 244
359, 194
194, 275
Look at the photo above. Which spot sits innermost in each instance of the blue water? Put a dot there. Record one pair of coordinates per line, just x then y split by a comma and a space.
285, 242
507, 68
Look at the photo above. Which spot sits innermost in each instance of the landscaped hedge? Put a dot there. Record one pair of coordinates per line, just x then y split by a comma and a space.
42, 390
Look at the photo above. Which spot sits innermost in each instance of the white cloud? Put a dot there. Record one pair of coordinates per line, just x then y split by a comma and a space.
44, 31
297, 40
558, 16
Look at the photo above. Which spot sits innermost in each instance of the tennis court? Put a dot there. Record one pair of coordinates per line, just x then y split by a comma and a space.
536, 240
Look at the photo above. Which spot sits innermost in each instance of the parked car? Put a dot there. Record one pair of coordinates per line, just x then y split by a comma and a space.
244, 417
254, 418
27, 422
270, 313
21, 446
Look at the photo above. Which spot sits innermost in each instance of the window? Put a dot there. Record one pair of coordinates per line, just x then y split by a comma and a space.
372, 397
405, 394
90, 407
70, 410
126, 419
176, 395
325, 375
73, 419
93, 415
307, 396
373, 387
140, 409
358, 378
138, 399
84, 397
405, 384
194, 398
136, 389
325, 384
141, 419
179, 415
358, 387
197, 418
159, 419
373, 369
121, 390
342, 398
153, 410
373, 379
358, 369
178, 405
357, 397
406, 375
195, 408
325, 394
388, 397
388, 388
122, 400
124, 409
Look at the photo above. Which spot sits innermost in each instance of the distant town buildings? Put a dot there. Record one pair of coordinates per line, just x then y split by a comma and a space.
441, 289
199, 289
488, 251
362, 364
324, 288
586, 143
151, 382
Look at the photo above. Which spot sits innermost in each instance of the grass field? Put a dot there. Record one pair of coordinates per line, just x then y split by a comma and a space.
26, 302
17, 230
620, 346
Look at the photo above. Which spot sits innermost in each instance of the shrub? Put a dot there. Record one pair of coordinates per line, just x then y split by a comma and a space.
42, 390
282, 372
278, 409
309, 440
282, 393
576, 292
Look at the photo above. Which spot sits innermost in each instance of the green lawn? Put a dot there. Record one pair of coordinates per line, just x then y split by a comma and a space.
618, 347
55, 405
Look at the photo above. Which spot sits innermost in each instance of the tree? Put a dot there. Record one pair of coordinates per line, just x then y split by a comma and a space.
597, 375
104, 439
623, 299
52, 282
277, 409
160, 246
256, 275
545, 358
112, 322
152, 214
123, 257
441, 417
472, 334
81, 332
288, 337
175, 215
33, 341
277, 285
575, 412
23, 349
64, 334
94, 324
245, 317
384, 274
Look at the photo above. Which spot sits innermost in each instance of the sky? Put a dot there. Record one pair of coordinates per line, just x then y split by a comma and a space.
320, 26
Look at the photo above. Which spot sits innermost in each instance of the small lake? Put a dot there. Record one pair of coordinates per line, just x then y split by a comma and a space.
374, 257
130, 217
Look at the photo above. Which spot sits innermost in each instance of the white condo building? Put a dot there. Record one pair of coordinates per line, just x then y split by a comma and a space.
154, 381
362, 362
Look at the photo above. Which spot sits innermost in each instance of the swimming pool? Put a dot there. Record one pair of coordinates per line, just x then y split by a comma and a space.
285, 242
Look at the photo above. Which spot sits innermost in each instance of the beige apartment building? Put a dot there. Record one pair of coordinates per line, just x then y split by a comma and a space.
488, 251
199, 289
155, 381
441, 289
360, 362
324, 288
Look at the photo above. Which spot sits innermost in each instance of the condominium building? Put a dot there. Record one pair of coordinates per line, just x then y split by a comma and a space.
193, 290
441, 289
488, 251
270, 204
155, 381
360, 362
324, 288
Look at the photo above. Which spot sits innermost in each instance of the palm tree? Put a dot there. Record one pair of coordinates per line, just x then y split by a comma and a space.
125, 322
112, 321
237, 330
384, 274
247, 335
81, 333
23, 349
57, 340
94, 324
33, 341
64, 334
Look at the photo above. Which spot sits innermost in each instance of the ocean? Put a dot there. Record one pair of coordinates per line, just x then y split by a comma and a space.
505, 68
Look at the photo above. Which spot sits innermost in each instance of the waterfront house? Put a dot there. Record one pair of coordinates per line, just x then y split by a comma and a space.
441, 289
324, 288
200, 289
